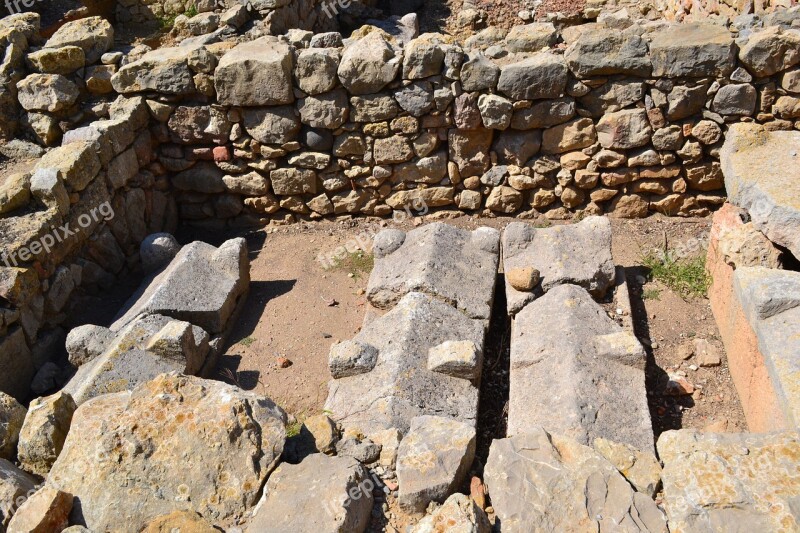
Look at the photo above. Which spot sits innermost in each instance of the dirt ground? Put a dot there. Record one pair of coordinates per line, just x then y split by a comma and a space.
298, 307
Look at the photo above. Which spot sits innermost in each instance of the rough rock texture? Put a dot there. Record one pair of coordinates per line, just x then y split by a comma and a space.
321, 494
436, 259
576, 253
770, 300
762, 175
12, 416
641, 469
459, 513
94, 35
148, 346
401, 387
568, 357
15, 486
165, 70
730, 482
543, 482
693, 50
369, 63
122, 454
432, 460
44, 431
45, 511
256, 73
202, 285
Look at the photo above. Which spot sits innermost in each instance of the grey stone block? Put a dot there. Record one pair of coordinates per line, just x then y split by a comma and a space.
576, 372
547, 482
448, 263
202, 285
321, 494
401, 387
770, 299
579, 254
762, 175
432, 460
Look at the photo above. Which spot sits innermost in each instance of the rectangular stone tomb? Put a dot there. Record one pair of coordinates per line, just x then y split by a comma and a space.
421, 358
574, 371
537, 259
202, 285
454, 265
148, 346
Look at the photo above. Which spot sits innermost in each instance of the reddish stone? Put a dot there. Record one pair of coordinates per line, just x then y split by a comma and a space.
222, 153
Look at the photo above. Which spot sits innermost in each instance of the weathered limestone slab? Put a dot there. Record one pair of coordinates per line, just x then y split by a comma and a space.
770, 300
400, 387
432, 460
45, 429
459, 513
174, 443
448, 263
602, 52
731, 482
202, 285
572, 368
762, 175
165, 70
46, 510
12, 416
321, 494
139, 353
546, 482
576, 253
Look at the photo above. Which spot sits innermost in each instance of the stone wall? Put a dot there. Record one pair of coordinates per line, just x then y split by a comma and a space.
624, 122
699, 10
278, 15
74, 221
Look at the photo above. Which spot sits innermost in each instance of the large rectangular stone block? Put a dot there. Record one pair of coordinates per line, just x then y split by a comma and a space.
448, 263
391, 383
575, 372
256, 73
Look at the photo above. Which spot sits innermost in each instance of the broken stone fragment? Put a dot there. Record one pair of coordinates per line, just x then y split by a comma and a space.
158, 250
432, 461
321, 494
12, 416
641, 469
350, 358
14, 484
47, 510
324, 432
458, 513
460, 359
182, 342
44, 432
523, 278
86, 342
363, 451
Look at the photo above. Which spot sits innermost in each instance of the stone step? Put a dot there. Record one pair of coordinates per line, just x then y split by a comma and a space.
576, 372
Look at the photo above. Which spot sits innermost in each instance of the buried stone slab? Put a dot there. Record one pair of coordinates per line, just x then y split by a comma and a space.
322, 494
577, 253
770, 301
202, 285
546, 482
576, 372
432, 460
448, 263
732, 481
189, 444
148, 346
762, 175
400, 387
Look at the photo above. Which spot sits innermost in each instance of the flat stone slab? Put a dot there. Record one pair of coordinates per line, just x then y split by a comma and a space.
400, 387
321, 494
579, 254
202, 285
547, 482
770, 300
432, 460
14, 484
451, 264
762, 175
732, 481
576, 372
131, 358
